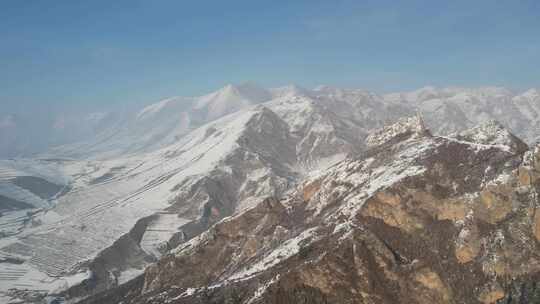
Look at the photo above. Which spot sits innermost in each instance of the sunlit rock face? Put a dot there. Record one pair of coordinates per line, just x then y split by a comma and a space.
416, 218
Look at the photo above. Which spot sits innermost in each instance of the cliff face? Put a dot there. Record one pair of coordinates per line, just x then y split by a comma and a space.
415, 219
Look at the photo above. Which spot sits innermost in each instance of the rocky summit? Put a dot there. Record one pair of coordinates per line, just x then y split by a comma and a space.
415, 218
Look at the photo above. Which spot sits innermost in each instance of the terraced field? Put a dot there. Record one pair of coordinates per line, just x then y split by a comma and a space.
159, 231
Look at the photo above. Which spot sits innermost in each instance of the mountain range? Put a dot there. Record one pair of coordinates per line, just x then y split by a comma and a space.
112, 132
259, 195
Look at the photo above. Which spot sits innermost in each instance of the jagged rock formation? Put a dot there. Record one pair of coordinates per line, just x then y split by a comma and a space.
404, 127
416, 218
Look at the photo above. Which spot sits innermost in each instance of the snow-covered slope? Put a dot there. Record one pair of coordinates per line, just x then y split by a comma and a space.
228, 100
110, 197
29, 183
331, 123
445, 110
163, 123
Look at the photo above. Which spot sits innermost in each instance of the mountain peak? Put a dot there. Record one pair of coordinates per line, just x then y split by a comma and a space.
227, 91
493, 133
288, 90
404, 128
228, 88
246, 90
157, 107
230, 99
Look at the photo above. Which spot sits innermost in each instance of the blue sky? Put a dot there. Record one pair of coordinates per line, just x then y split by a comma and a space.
94, 53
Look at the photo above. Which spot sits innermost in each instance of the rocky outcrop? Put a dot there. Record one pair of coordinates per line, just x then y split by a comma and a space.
402, 129
492, 132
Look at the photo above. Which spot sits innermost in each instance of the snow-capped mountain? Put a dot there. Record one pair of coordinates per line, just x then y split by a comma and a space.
147, 183
450, 110
110, 133
228, 100
163, 123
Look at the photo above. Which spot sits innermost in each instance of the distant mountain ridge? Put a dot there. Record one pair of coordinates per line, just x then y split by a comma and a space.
447, 110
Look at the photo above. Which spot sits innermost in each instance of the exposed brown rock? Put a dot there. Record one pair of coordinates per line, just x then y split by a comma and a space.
310, 189
387, 207
492, 294
536, 224
495, 204
468, 245
525, 178
442, 209
438, 292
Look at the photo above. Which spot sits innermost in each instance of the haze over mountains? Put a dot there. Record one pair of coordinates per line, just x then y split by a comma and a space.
91, 214
111, 130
